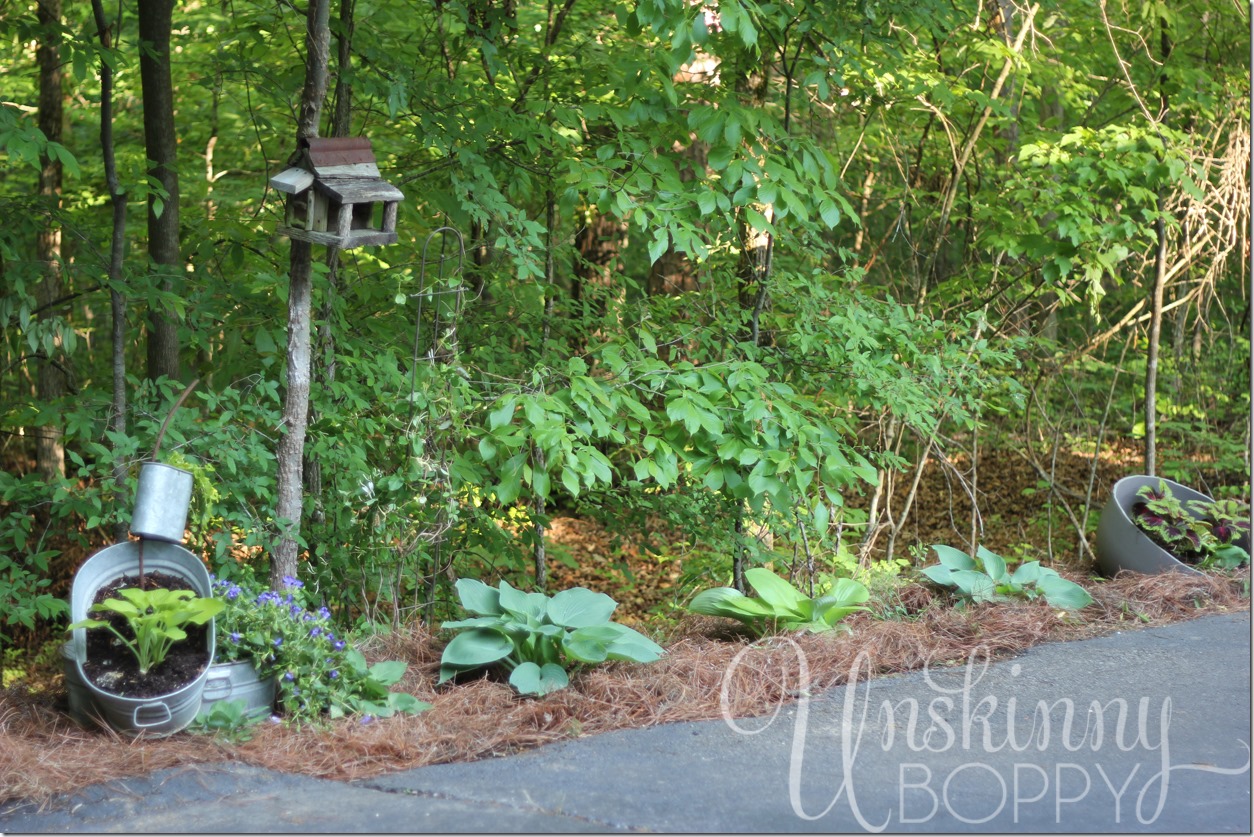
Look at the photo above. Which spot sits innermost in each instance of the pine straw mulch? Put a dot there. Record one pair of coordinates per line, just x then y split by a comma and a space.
43, 753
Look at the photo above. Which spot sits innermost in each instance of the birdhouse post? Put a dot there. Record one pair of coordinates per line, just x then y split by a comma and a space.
335, 195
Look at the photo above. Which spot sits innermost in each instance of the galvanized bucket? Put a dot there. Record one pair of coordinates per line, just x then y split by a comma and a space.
162, 498
238, 680
159, 716
80, 699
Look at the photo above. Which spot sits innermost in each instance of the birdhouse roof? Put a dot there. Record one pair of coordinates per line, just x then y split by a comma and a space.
338, 151
343, 167
292, 181
360, 189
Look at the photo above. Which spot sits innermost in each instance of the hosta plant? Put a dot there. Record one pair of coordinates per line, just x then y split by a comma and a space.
778, 606
537, 638
986, 578
156, 619
1201, 532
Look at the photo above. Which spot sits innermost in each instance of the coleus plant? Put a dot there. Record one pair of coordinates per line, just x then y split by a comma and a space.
986, 578
1202, 532
538, 637
778, 606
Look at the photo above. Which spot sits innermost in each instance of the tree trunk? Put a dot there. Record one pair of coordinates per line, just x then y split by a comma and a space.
323, 361
290, 453
1160, 282
117, 302
49, 376
160, 140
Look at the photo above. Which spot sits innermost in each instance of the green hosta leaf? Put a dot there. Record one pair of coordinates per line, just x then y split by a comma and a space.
474, 622
728, 601
939, 573
531, 679
118, 606
635, 647
478, 597
171, 633
590, 645
1028, 573
846, 597
1064, 594
87, 623
994, 564
529, 605
777, 593
579, 607
953, 558
975, 585
474, 648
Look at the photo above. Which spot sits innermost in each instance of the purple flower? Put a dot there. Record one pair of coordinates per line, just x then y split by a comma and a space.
278, 641
365, 719
333, 674
324, 612
235, 637
315, 631
292, 581
289, 677
339, 645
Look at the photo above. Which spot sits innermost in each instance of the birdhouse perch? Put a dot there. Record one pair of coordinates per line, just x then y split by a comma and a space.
335, 195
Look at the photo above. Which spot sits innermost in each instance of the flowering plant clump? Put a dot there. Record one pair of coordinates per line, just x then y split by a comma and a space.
318, 671
1207, 533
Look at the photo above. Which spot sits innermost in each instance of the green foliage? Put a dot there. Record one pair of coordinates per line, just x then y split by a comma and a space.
156, 619
779, 606
227, 720
319, 673
1199, 532
986, 578
662, 362
538, 637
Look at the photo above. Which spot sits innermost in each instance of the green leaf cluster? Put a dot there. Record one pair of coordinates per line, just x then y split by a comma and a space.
538, 637
986, 578
156, 619
781, 607
319, 674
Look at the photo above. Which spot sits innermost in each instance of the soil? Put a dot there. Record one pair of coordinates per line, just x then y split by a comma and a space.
111, 666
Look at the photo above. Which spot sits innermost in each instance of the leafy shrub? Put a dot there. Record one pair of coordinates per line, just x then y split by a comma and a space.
986, 578
538, 637
317, 671
779, 606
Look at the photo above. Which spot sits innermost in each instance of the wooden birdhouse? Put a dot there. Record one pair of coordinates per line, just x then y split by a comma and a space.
335, 195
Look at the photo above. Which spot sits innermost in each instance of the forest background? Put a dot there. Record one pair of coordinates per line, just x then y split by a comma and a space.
735, 273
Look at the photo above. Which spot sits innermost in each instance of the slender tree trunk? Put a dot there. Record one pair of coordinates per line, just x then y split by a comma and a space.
324, 359
290, 453
1160, 283
49, 377
117, 245
160, 140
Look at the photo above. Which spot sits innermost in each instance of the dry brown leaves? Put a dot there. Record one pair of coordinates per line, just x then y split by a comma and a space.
710, 670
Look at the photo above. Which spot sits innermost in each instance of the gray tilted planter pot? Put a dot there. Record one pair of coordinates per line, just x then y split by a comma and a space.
1123, 546
161, 715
